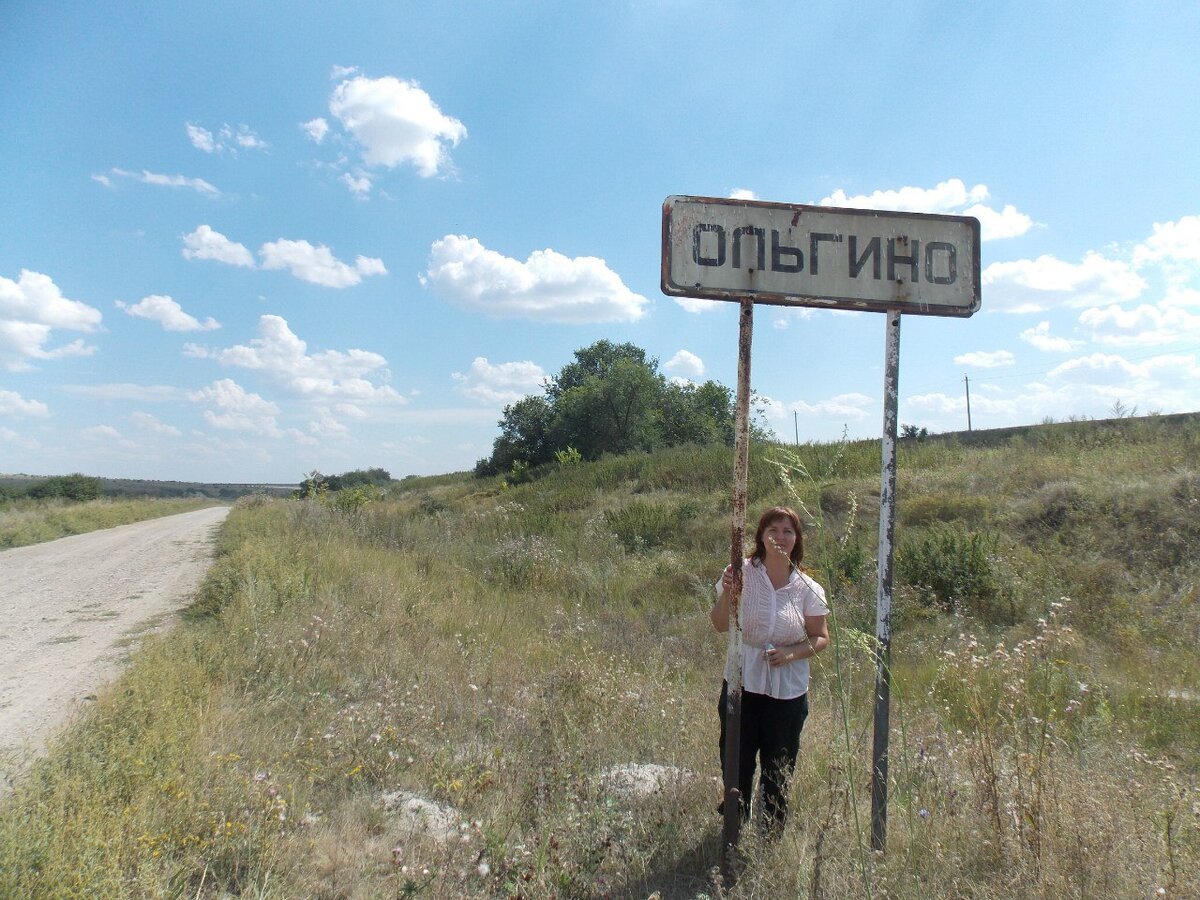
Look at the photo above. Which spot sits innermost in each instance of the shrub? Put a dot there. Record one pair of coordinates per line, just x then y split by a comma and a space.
641, 525
955, 570
568, 457
66, 487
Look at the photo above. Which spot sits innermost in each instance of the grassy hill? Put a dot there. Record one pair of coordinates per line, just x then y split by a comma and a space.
504, 651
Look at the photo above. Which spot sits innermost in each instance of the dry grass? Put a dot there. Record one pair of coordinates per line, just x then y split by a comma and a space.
495, 650
24, 522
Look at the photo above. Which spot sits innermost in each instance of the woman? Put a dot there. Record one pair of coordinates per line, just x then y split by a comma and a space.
783, 617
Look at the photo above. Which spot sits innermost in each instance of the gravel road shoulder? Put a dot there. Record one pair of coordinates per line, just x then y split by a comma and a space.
71, 609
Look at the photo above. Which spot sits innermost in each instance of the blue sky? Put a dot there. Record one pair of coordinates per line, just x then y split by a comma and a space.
242, 241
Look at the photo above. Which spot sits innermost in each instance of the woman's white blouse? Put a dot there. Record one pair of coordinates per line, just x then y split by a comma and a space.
771, 616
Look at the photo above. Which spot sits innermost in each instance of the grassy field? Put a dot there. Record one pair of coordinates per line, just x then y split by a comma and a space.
24, 522
502, 651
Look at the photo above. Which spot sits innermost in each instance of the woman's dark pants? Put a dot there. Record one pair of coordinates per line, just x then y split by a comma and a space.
770, 732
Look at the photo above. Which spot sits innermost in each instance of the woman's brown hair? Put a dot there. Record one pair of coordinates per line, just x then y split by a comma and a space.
760, 545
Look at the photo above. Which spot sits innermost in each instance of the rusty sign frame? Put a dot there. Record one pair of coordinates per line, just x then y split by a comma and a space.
951, 286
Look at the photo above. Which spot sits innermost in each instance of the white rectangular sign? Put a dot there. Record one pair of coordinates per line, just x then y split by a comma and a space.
793, 255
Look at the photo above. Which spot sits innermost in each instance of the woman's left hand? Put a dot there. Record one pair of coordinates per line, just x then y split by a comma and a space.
780, 656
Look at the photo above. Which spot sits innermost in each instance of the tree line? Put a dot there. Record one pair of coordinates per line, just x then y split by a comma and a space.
75, 487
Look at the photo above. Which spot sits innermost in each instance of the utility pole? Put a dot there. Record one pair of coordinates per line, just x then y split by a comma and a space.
796, 419
967, 382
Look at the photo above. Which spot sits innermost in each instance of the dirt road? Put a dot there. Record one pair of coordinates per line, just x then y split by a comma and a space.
71, 608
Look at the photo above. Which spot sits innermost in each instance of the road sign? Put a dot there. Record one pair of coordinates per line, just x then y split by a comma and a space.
793, 255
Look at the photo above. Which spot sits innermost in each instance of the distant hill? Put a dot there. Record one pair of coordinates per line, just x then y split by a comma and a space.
133, 487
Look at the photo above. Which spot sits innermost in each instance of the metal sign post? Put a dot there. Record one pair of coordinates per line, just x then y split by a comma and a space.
733, 695
883, 605
789, 254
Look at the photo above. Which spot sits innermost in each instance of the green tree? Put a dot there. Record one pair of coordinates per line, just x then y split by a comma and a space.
66, 487
695, 414
596, 361
609, 412
359, 478
524, 436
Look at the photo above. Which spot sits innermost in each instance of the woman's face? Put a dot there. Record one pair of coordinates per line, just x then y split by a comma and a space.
780, 536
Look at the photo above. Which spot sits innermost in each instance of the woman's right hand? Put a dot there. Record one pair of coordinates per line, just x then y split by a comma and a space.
727, 578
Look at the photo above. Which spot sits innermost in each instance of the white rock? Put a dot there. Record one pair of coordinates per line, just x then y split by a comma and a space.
416, 815
637, 780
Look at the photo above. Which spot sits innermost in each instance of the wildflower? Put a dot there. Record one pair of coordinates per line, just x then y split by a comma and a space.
924, 813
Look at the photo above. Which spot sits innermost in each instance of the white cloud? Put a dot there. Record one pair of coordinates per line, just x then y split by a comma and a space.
106, 434
950, 197
167, 313
232, 408
103, 179
359, 186
204, 243
546, 287
1039, 336
685, 364
102, 432
23, 341
227, 139
317, 265
11, 437
147, 422
1098, 366
944, 198
316, 129
500, 384
1171, 242
783, 318
842, 407
201, 138
742, 194
994, 226
196, 184
1087, 386
1181, 297
939, 404
986, 359
246, 139
30, 309
143, 393
284, 358
396, 122
34, 297
1143, 326
338, 72
326, 425
1035, 285
696, 306
13, 404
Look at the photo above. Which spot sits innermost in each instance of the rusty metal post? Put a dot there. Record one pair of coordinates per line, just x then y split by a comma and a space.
733, 696
883, 607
